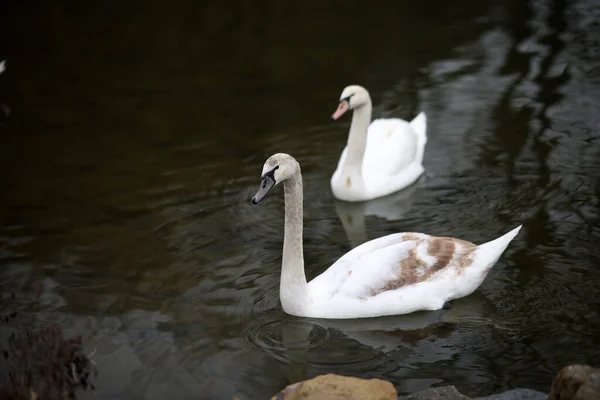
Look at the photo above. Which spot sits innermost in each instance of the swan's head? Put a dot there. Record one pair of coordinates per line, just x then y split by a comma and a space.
352, 97
277, 169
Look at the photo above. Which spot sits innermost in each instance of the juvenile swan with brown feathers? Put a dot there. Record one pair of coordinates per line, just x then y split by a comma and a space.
395, 274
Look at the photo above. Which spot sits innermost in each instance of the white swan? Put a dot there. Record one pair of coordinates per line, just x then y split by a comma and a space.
395, 274
382, 156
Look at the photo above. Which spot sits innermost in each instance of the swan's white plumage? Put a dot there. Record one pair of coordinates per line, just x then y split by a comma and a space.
402, 273
393, 159
392, 275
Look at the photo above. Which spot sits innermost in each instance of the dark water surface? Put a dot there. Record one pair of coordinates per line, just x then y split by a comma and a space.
136, 139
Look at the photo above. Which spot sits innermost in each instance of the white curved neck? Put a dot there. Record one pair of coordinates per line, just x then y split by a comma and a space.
293, 290
357, 141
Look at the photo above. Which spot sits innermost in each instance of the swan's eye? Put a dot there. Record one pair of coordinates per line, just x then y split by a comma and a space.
270, 174
347, 99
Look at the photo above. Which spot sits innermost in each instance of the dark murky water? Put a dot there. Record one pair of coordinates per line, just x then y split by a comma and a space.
137, 135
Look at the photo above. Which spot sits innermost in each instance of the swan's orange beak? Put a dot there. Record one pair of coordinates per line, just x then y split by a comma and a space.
342, 108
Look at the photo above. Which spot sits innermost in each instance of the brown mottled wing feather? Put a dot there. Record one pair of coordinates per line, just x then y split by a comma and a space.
441, 252
412, 258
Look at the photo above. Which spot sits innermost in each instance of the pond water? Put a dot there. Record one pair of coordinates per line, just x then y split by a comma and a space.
136, 138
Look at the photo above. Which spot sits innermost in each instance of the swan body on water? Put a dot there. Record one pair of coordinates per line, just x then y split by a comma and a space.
395, 274
381, 157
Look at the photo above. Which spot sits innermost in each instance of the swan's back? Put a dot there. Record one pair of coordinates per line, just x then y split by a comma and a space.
402, 273
391, 147
392, 262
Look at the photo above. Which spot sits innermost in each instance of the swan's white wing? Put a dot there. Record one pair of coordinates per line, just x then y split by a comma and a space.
392, 145
390, 263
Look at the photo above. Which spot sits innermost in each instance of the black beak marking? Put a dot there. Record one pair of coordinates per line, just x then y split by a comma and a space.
268, 182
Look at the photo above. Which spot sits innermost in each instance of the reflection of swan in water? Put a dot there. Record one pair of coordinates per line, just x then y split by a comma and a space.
392, 208
362, 344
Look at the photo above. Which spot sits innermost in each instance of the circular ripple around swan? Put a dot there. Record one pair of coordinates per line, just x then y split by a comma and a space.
266, 332
301, 341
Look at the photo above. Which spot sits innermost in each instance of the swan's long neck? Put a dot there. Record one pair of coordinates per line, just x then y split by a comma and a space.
293, 290
357, 141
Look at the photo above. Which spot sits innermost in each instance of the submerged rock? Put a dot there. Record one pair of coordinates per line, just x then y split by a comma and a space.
516, 394
436, 393
336, 387
451, 393
576, 382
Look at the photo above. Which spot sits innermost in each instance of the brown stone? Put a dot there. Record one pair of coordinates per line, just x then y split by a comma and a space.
576, 382
336, 387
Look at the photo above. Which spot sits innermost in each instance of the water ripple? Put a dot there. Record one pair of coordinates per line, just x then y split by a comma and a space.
291, 341
280, 336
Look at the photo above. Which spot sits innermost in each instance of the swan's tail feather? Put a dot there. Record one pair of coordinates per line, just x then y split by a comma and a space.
491, 251
419, 125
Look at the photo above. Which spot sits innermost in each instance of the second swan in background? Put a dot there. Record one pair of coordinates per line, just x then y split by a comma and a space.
381, 157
